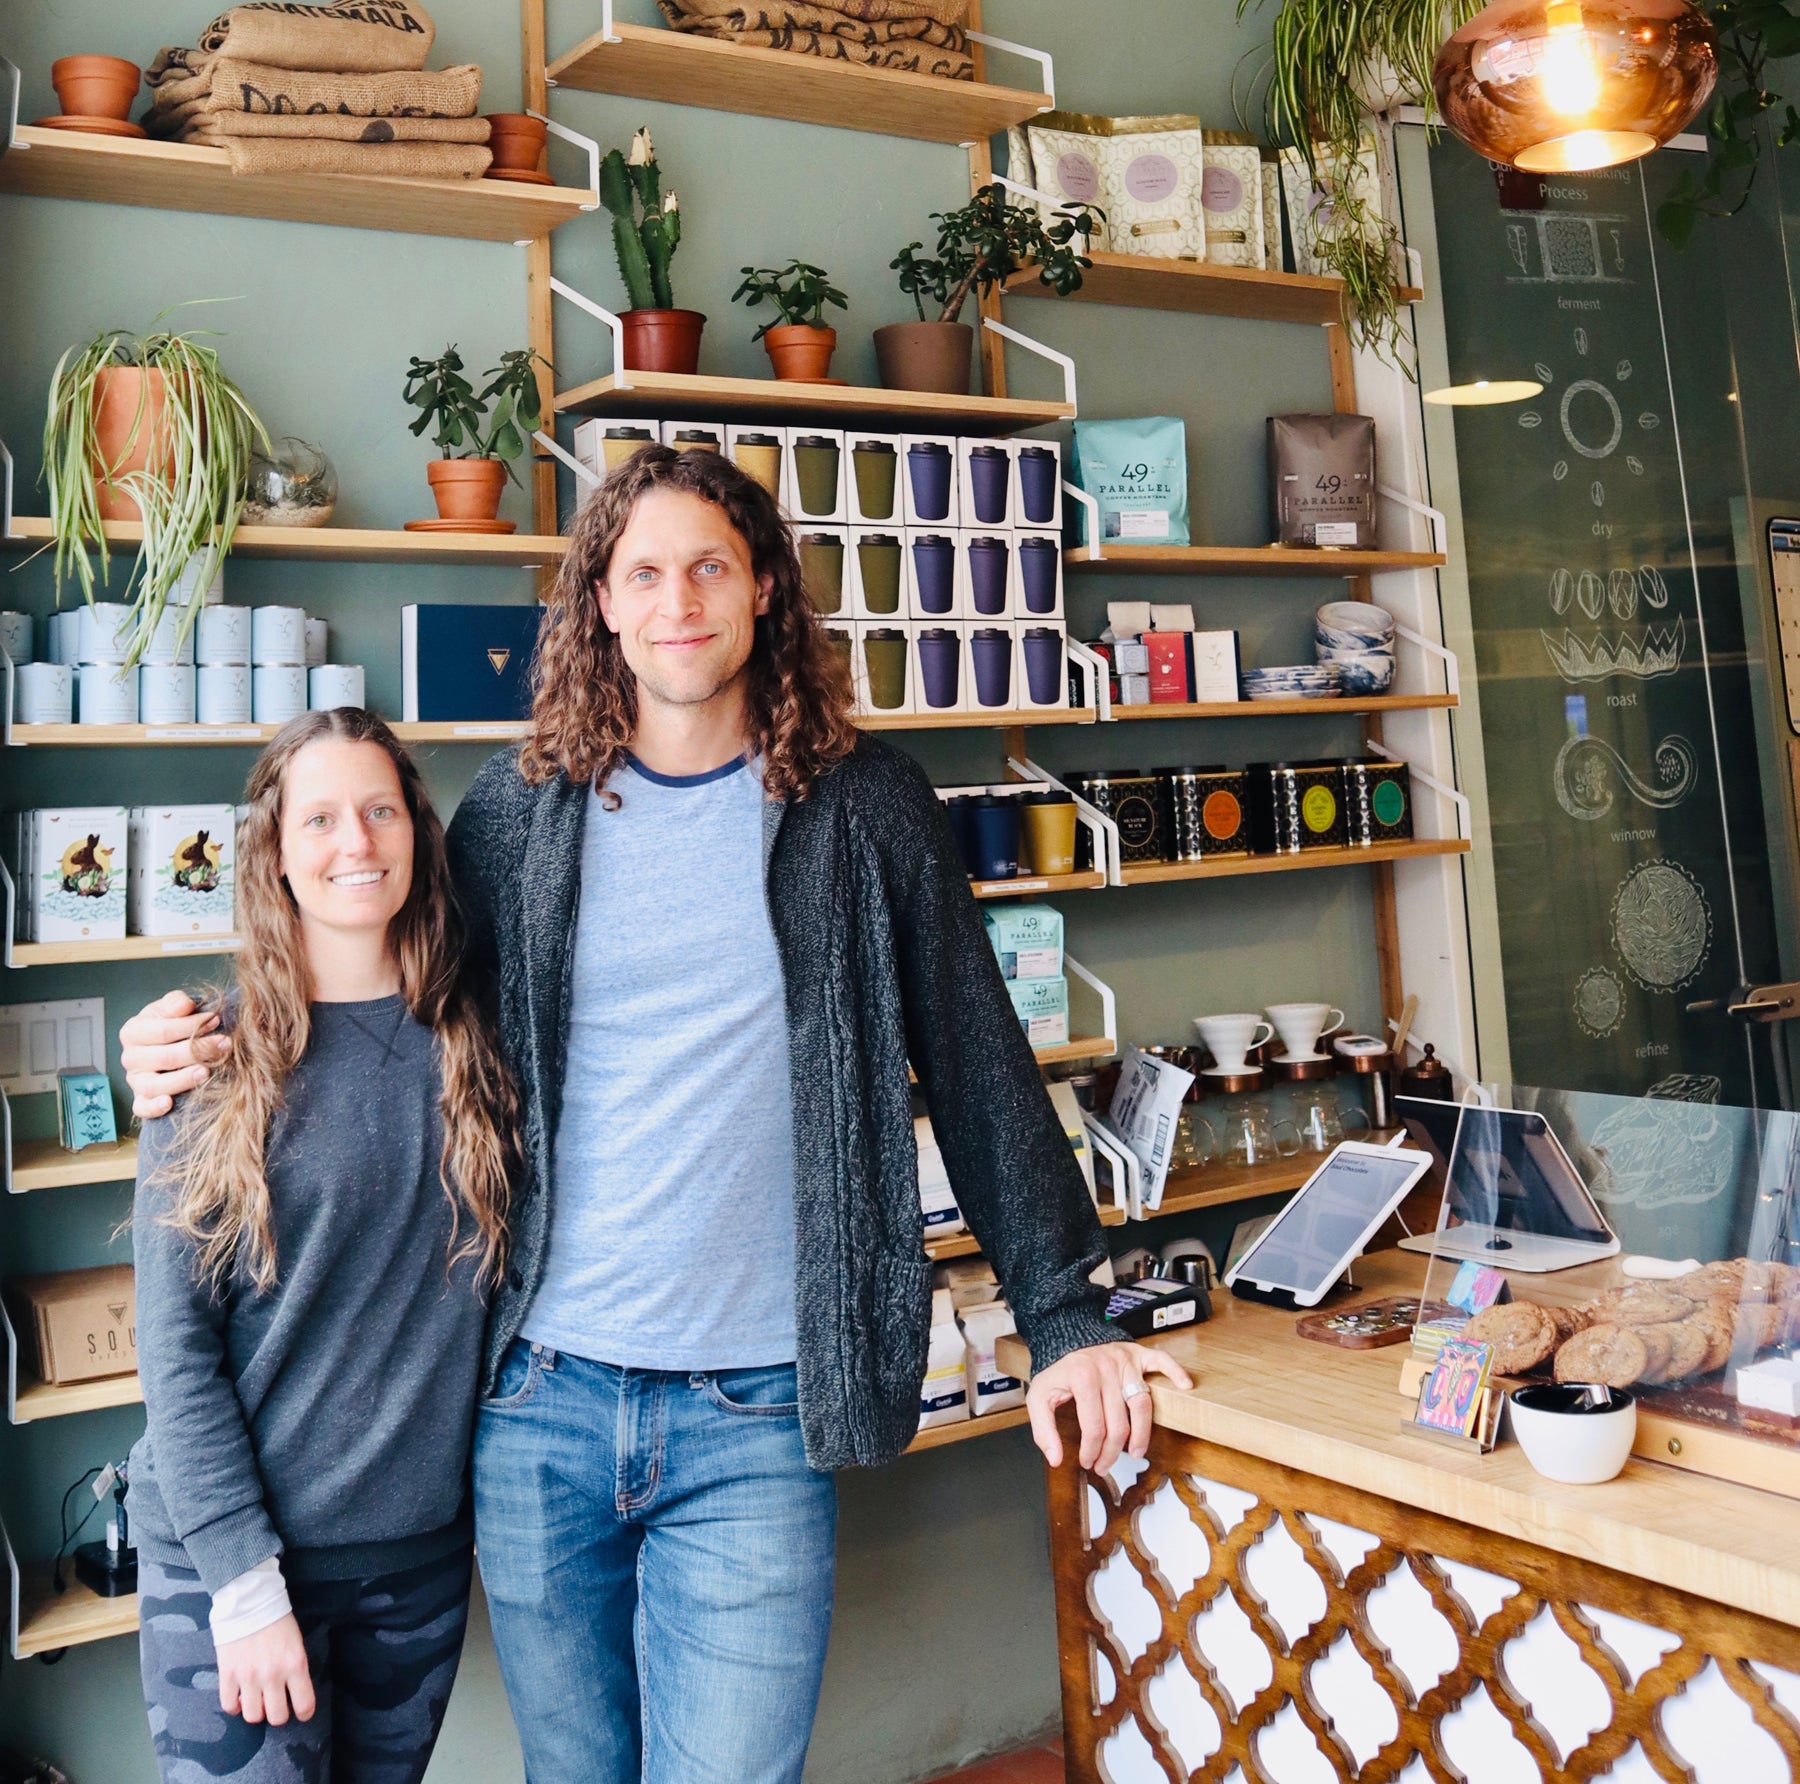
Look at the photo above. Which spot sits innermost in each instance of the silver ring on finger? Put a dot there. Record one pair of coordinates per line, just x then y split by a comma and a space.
1132, 1389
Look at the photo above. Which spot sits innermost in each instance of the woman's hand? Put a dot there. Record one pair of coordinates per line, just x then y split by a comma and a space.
166, 1049
1106, 1382
261, 1675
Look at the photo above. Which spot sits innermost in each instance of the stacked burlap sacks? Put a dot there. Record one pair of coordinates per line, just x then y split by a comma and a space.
924, 36
292, 88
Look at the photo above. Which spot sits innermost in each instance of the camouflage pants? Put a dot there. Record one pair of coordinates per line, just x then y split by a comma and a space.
382, 1653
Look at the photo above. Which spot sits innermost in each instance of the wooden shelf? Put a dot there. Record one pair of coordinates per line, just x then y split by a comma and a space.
1250, 709
168, 176
1200, 289
649, 63
132, 947
1081, 1047
675, 396
974, 721
339, 545
43, 1164
1040, 883
49, 1620
40, 1400
1228, 866
965, 1244
1244, 560
939, 1435
1215, 1185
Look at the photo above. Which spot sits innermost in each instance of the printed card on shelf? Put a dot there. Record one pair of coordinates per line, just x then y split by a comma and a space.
79, 859
1213, 666
1168, 652
1476, 1286
1450, 1398
85, 1110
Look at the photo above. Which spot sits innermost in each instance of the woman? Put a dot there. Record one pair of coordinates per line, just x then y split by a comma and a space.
316, 1230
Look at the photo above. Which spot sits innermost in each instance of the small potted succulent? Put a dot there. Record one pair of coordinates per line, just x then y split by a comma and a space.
477, 433
646, 224
979, 246
800, 345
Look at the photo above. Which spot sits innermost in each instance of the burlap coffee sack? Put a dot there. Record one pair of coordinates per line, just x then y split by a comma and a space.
776, 21
428, 93
352, 37
868, 12
400, 160
213, 128
904, 53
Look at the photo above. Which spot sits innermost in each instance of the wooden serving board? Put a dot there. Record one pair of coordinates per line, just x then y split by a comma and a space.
1369, 1325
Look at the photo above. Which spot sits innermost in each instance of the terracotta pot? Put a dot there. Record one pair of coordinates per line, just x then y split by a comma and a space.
95, 86
124, 438
662, 340
467, 488
933, 356
800, 351
517, 141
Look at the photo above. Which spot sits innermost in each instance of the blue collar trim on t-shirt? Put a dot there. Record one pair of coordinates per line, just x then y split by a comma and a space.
686, 780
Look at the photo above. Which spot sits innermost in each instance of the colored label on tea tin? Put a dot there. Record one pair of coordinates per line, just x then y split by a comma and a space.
1389, 803
1222, 815
1318, 808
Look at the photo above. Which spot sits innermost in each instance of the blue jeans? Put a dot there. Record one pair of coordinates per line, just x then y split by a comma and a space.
658, 1560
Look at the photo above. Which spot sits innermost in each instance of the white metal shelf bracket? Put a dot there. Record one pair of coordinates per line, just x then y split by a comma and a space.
1093, 516
14, 80
11, 912
1125, 1174
1095, 674
6, 1139
1440, 528
1043, 352
586, 143
621, 378
1100, 828
1452, 672
583, 475
12, 1368
1464, 825
1040, 57
1109, 1008
6, 493
12, 1573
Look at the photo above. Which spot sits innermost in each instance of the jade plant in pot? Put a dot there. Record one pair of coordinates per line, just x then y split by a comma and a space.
145, 428
979, 246
477, 433
646, 224
800, 345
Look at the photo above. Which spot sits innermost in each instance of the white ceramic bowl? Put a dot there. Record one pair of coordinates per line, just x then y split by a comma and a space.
1579, 1448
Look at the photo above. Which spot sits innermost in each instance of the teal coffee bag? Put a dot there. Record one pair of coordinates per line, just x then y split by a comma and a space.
1137, 472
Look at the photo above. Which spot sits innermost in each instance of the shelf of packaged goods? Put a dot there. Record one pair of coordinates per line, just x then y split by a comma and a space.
338, 545
1215, 1185
939, 1435
49, 1620
131, 947
45, 1400
974, 721
1244, 560
1041, 883
643, 62
1266, 709
44, 1164
168, 176
1227, 866
676, 396
967, 1245
1200, 289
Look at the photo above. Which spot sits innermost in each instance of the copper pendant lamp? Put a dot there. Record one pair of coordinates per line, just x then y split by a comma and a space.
1566, 86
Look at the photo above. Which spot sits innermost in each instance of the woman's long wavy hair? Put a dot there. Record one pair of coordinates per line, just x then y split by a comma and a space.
218, 1187
585, 706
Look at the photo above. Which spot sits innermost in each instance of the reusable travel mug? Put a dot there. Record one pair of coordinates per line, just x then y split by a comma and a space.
277, 692
839, 640
1037, 572
991, 652
884, 658
989, 561
989, 470
996, 838
940, 665
44, 694
166, 643
1044, 665
878, 561
816, 472
699, 439
105, 632
1037, 484
222, 690
109, 694
620, 445
224, 634
759, 456
934, 572
166, 694
1049, 832
961, 812
334, 684
318, 643
15, 636
822, 570
928, 470
875, 463
278, 635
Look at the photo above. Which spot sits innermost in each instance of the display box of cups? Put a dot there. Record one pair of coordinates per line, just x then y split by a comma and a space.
992, 656
841, 635
882, 666
940, 666
694, 436
1037, 495
76, 861
936, 592
984, 480
875, 571
928, 492
813, 488
760, 451
604, 443
873, 479
1037, 575
824, 554
986, 563
183, 870
1041, 671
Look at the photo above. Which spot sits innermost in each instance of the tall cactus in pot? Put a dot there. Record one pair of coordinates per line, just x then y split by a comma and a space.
646, 224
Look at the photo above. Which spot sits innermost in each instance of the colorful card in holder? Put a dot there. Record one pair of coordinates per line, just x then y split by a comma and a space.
1451, 1399
1476, 1286
85, 1110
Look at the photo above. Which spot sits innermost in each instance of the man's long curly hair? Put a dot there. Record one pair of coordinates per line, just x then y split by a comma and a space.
584, 709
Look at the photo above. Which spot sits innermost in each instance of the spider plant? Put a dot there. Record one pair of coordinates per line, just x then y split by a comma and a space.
191, 491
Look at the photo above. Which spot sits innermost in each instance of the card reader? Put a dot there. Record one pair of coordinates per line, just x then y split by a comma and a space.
1153, 1304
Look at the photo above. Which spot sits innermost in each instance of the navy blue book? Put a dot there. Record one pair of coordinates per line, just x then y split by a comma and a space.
461, 663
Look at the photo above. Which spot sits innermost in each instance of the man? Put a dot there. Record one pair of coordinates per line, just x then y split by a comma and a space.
722, 924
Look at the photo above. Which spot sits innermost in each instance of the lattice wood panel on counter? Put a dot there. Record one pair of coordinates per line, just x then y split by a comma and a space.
1393, 1643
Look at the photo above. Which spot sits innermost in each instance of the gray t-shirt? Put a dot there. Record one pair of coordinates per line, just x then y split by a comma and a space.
672, 1224
329, 1419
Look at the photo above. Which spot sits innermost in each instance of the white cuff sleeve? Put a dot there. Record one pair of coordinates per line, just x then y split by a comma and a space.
250, 1602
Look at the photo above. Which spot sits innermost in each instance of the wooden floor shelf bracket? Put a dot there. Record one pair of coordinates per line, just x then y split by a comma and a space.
1043, 352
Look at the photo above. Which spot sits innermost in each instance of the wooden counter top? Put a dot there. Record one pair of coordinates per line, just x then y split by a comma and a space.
1262, 1389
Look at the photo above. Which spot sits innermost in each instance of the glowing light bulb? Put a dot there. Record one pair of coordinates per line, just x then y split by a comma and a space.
1570, 82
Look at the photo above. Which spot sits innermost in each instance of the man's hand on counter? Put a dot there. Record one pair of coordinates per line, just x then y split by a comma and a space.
1106, 1382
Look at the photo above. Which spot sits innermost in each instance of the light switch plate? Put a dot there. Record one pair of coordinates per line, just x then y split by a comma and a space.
38, 1040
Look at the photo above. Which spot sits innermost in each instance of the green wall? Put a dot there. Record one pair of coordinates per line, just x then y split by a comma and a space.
944, 1644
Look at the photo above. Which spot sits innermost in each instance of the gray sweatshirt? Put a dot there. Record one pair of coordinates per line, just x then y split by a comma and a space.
327, 1420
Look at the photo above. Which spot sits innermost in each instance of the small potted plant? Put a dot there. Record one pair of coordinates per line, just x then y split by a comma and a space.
800, 345
979, 246
477, 433
646, 225
145, 428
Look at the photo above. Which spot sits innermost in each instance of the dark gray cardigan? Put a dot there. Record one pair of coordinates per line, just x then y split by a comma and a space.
885, 961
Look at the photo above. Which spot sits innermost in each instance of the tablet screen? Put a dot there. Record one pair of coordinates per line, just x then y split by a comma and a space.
1314, 1236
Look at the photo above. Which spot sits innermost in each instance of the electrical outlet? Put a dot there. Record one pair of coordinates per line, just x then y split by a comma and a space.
38, 1040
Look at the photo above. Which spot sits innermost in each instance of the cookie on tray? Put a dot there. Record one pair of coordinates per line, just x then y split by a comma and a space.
1723, 1280
1647, 1304
1570, 1320
1658, 1352
1521, 1332
1717, 1324
1688, 1348
1758, 1326
1614, 1356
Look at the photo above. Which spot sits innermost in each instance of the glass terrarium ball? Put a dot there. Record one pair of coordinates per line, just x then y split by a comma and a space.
292, 486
